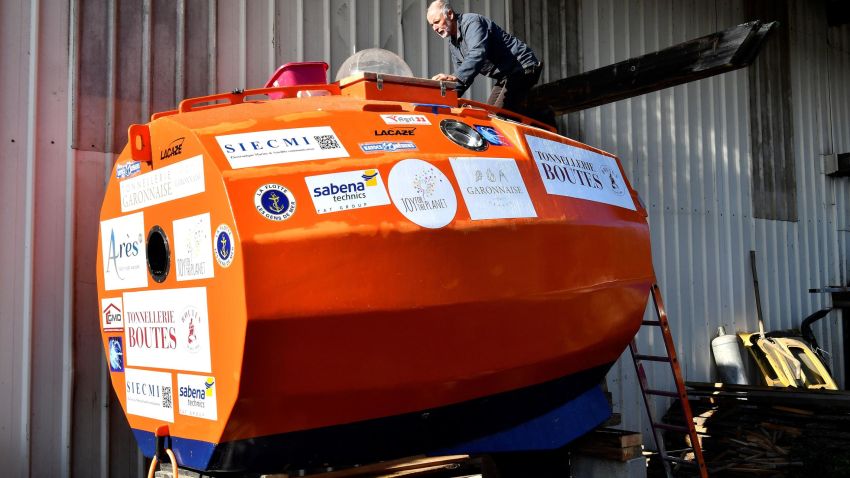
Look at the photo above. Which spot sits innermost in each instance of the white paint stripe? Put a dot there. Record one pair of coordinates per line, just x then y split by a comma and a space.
29, 242
299, 30
147, 60
212, 37
68, 272
180, 52
243, 45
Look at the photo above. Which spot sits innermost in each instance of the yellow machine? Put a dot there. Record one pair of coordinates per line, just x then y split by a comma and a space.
787, 360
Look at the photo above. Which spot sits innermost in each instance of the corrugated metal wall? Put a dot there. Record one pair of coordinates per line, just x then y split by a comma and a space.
687, 150
77, 72
838, 103
36, 220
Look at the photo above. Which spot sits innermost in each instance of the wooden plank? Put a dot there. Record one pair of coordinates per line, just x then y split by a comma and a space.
400, 467
615, 454
610, 444
796, 397
610, 437
702, 57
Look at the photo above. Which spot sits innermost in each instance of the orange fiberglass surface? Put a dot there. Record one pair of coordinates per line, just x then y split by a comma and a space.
334, 273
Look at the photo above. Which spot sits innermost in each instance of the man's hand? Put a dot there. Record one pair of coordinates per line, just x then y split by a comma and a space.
444, 77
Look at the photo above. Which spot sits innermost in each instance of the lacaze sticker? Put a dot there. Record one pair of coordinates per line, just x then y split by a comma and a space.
399, 131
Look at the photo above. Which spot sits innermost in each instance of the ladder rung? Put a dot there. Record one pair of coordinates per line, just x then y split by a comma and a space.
680, 461
662, 393
654, 358
657, 323
672, 428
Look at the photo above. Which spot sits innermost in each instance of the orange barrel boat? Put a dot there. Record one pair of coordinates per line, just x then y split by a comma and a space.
336, 273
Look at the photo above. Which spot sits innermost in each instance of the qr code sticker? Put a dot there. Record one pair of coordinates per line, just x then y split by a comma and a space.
166, 397
327, 141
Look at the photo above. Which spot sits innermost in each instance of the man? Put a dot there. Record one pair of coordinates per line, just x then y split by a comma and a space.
479, 46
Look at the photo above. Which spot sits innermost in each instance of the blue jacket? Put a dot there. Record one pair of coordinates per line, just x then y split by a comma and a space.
483, 47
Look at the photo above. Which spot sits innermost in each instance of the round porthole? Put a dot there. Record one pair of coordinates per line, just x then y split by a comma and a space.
463, 135
159, 255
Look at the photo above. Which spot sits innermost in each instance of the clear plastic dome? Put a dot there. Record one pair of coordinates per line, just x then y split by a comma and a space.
374, 60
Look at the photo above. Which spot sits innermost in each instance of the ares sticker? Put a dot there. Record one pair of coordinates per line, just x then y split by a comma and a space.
223, 244
116, 354
274, 202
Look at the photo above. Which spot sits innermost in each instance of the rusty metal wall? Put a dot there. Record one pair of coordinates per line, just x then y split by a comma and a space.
77, 72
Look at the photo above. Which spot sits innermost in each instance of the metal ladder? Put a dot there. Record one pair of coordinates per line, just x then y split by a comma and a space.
699, 462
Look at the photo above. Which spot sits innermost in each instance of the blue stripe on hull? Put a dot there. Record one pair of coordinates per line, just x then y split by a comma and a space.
542, 417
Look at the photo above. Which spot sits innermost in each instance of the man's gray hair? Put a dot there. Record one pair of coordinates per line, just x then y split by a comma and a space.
445, 6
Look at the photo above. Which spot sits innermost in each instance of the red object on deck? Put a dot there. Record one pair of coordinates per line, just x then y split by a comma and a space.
298, 73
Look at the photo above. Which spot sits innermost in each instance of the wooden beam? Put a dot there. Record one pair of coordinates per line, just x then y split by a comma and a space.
706, 56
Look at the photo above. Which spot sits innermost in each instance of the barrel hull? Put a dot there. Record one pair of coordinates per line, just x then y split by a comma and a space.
289, 282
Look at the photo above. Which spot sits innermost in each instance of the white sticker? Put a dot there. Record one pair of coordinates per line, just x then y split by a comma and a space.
261, 148
192, 247
149, 394
422, 193
406, 119
112, 314
167, 329
196, 396
348, 190
492, 188
388, 147
579, 173
174, 181
122, 242
224, 247
128, 169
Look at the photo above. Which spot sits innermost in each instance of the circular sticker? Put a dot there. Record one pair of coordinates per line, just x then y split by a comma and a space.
223, 245
422, 193
274, 202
